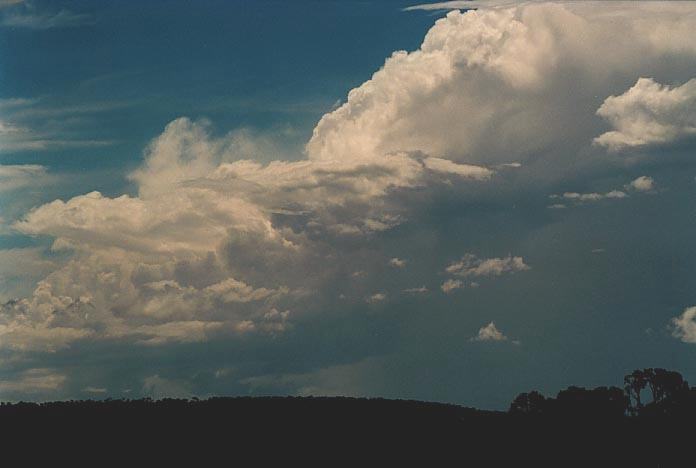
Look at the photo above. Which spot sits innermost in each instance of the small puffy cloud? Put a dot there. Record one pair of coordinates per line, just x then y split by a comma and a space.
642, 184
451, 284
684, 326
397, 262
376, 298
649, 113
489, 333
471, 265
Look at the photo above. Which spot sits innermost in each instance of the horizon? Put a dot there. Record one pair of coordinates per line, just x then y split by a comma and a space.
453, 202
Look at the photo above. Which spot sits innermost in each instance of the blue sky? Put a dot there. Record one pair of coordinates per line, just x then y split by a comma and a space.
344, 197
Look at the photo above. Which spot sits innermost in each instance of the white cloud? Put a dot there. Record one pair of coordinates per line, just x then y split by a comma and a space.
684, 326
590, 197
471, 265
450, 285
14, 138
649, 113
376, 298
642, 184
214, 242
464, 170
397, 262
420, 290
489, 333
484, 87
16, 176
41, 20
95, 390
20, 269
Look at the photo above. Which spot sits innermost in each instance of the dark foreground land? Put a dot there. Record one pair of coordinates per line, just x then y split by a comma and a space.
333, 432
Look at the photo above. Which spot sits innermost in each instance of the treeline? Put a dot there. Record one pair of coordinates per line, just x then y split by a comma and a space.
647, 423
646, 392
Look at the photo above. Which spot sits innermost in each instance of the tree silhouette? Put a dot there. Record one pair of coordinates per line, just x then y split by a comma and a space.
634, 383
528, 403
665, 384
665, 387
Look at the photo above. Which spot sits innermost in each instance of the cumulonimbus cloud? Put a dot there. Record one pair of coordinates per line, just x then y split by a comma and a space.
216, 245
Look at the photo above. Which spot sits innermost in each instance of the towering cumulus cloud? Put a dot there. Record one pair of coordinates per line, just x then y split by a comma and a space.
214, 247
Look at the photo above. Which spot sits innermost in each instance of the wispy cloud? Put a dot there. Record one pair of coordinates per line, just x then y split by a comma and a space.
29, 111
14, 138
452, 5
642, 184
16, 176
13, 103
31, 124
7, 3
43, 21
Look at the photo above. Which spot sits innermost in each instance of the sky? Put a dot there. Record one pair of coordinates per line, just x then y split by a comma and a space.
451, 202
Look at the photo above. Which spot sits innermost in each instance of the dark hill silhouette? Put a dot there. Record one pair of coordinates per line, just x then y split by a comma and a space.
649, 423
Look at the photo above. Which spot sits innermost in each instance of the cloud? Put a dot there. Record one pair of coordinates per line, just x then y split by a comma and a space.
649, 113
420, 290
220, 240
20, 269
15, 176
11, 103
44, 20
397, 262
590, 197
376, 298
464, 170
460, 5
684, 326
158, 387
489, 333
15, 138
201, 250
7, 3
450, 285
95, 390
355, 379
642, 184
34, 124
33, 381
471, 265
